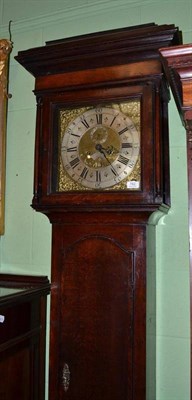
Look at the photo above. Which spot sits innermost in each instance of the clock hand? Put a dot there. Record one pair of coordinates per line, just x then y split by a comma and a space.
102, 151
109, 150
99, 147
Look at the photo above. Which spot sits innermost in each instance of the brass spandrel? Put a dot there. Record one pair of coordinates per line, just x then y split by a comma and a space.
65, 184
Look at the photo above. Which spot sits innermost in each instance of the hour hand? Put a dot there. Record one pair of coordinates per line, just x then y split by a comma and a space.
102, 151
100, 148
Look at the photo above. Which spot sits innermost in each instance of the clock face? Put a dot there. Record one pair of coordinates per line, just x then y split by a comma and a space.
100, 148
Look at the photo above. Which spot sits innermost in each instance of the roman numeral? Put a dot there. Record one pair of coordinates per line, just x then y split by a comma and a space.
84, 122
98, 176
123, 130
114, 171
99, 118
74, 162
70, 149
84, 173
126, 145
113, 120
123, 160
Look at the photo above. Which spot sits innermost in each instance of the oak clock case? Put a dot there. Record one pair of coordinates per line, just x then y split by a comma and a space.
101, 170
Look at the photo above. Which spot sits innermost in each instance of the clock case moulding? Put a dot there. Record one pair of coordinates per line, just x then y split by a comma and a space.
104, 67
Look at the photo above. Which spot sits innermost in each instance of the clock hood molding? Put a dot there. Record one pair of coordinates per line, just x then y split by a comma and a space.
119, 46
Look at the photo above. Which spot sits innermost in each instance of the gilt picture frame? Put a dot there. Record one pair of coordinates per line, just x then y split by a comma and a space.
5, 49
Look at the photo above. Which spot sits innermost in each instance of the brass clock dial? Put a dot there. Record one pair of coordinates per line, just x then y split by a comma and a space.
100, 148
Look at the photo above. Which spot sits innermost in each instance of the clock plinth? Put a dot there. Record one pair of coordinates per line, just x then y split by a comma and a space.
101, 169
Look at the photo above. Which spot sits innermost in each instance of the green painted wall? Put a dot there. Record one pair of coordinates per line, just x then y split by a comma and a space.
25, 247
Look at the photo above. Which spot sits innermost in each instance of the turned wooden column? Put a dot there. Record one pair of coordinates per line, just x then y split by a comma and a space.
177, 62
5, 49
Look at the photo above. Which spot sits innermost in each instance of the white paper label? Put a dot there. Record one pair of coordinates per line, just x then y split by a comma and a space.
133, 185
2, 318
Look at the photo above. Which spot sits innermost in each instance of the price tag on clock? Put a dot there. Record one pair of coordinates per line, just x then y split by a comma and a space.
133, 185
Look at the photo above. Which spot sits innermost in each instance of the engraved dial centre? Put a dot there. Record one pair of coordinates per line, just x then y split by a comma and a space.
99, 147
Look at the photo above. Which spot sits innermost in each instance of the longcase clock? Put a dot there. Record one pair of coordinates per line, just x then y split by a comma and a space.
101, 169
177, 64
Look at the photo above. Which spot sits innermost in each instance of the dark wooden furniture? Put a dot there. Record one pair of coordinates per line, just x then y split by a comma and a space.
22, 337
98, 303
177, 62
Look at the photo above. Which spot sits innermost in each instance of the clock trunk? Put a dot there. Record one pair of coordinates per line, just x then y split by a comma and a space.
98, 309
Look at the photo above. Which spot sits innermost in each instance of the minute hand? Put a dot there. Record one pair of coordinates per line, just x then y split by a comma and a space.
102, 151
